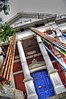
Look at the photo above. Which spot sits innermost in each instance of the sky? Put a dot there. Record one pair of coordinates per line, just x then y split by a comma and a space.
44, 6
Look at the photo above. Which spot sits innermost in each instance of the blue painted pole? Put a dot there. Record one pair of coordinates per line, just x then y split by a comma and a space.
64, 34
63, 65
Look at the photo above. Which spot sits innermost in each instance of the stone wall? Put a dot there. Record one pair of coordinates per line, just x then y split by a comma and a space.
7, 92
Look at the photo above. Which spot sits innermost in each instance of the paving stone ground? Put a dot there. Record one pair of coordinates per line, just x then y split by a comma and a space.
60, 96
7, 92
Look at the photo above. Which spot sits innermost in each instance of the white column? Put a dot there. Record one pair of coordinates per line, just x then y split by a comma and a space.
12, 83
31, 93
48, 62
1, 57
56, 81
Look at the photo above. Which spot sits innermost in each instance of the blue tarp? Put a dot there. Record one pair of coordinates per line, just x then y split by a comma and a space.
43, 84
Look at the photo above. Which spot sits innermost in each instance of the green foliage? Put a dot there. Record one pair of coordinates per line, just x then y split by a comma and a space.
5, 32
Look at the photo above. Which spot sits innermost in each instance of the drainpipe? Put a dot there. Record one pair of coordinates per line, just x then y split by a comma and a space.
1, 57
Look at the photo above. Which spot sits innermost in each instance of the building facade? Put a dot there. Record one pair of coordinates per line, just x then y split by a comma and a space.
36, 72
